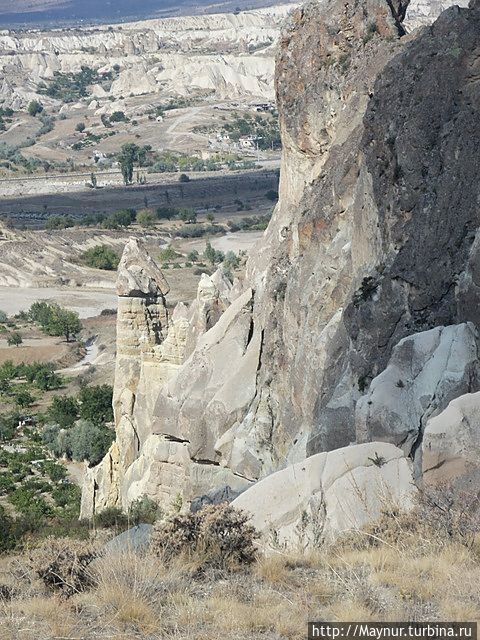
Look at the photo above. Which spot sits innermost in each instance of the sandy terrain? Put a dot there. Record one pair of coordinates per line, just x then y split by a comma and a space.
238, 241
85, 303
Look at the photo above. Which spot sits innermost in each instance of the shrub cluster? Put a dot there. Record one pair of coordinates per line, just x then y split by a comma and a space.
217, 535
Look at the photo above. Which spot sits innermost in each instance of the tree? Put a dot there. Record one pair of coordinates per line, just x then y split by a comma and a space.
63, 411
210, 218
80, 127
193, 256
101, 257
212, 255
90, 441
64, 322
146, 218
34, 108
129, 154
96, 404
166, 213
8, 425
93, 180
184, 178
188, 216
3, 317
14, 340
24, 398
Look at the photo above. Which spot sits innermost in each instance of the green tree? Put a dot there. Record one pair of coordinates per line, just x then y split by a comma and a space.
14, 340
127, 157
90, 441
146, 218
34, 108
24, 399
8, 425
64, 323
193, 256
63, 411
101, 257
96, 404
3, 317
188, 216
210, 218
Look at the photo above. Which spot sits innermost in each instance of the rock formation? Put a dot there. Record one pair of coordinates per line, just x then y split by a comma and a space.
329, 493
363, 294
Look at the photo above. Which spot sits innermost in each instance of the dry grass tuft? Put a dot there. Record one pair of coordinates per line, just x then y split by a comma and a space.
397, 569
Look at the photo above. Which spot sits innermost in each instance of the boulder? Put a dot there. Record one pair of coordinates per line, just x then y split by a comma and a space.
424, 373
328, 494
136, 540
451, 445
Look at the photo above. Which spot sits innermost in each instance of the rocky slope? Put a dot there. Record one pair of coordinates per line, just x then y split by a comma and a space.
358, 318
226, 54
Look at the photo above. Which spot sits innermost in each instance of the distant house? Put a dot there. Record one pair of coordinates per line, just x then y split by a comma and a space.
159, 118
246, 142
223, 137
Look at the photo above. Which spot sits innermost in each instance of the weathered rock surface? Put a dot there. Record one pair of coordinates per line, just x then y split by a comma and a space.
229, 55
374, 239
424, 373
328, 494
451, 445
142, 321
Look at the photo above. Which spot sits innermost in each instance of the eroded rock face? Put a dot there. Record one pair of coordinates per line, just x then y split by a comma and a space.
424, 373
142, 321
328, 494
373, 240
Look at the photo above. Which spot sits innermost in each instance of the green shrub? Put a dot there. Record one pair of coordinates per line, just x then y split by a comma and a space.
96, 403
89, 441
63, 411
101, 257
144, 510
112, 517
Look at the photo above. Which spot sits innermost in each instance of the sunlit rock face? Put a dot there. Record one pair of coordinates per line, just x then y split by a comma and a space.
374, 239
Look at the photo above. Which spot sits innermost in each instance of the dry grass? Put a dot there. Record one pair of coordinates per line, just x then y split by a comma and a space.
404, 577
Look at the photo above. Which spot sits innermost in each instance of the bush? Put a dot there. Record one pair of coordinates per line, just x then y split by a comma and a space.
63, 411
183, 178
7, 540
111, 517
144, 510
59, 222
14, 339
96, 404
80, 127
34, 108
218, 536
90, 441
62, 565
101, 257
146, 218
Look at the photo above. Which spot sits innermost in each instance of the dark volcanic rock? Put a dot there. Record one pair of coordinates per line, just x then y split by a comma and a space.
420, 144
